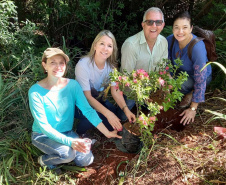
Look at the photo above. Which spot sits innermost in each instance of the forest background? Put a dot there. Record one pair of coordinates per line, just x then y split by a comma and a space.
28, 27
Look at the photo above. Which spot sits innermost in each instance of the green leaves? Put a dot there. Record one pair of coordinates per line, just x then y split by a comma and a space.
156, 90
73, 168
218, 64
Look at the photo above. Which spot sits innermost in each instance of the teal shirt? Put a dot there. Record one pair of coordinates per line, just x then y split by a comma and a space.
53, 110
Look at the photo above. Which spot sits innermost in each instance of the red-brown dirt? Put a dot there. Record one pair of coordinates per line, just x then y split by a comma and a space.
194, 155
106, 165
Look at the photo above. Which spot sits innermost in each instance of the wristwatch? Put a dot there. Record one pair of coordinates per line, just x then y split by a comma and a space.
193, 108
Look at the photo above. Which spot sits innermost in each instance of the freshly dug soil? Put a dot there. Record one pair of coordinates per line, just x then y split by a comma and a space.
108, 163
169, 119
132, 128
195, 155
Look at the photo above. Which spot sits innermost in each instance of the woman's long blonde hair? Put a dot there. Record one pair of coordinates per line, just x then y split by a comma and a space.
112, 60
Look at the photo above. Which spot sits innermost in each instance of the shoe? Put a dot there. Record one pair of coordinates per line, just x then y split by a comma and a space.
40, 161
50, 167
53, 168
186, 101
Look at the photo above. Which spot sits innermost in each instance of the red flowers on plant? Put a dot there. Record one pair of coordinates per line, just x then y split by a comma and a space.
161, 81
135, 81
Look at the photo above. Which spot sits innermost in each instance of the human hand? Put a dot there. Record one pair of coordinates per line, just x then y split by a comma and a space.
113, 134
78, 145
188, 116
114, 121
131, 117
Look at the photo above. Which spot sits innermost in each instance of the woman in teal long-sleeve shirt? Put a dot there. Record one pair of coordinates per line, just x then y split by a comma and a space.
52, 102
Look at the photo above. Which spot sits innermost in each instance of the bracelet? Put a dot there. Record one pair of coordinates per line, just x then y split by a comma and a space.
124, 107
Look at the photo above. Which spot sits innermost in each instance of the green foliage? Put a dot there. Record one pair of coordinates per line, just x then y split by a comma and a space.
17, 73
45, 177
17, 44
80, 21
17, 154
205, 14
17, 49
7, 12
218, 74
156, 90
217, 115
168, 30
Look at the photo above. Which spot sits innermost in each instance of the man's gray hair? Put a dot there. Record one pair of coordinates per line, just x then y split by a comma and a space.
153, 9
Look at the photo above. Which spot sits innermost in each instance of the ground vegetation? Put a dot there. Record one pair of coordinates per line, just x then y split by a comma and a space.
27, 27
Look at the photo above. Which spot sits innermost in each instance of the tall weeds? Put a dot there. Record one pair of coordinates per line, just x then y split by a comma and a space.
18, 70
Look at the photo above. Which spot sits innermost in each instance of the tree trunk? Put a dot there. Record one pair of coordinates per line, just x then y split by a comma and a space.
204, 9
51, 25
21, 10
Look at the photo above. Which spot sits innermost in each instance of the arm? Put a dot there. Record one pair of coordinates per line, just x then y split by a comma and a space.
82, 103
129, 59
106, 132
45, 121
82, 75
79, 145
188, 114
112, 118
199, 58
90, 113
41, 121
118, 97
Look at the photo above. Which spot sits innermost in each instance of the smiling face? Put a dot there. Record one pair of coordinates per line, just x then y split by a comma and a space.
151, 32
103, 48
182, 30
55, 66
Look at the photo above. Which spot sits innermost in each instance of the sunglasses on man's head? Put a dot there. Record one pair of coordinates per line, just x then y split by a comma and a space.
151, 22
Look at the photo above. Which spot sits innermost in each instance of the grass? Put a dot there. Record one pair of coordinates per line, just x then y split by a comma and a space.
187, 164
193, 156
183, 154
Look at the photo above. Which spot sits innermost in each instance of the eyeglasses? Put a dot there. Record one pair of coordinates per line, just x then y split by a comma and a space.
151, 22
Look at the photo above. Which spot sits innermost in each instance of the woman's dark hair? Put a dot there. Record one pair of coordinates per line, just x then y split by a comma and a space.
183, 15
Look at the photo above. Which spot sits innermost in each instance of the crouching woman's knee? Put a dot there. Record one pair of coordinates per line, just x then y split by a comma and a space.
68, 155
82, 159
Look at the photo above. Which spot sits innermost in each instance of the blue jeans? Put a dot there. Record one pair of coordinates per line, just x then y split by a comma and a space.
57, 153
85, 125
188, 85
